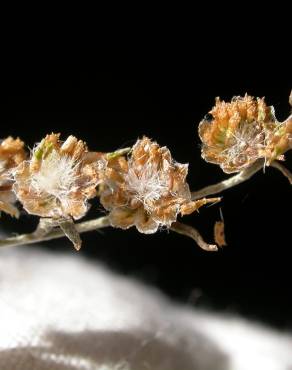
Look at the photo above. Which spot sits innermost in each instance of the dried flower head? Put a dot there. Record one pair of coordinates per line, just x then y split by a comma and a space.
281, 141
12, 153
58, 179
238, 133
147, 190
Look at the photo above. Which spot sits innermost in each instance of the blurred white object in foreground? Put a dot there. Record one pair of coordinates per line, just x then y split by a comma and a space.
63, 313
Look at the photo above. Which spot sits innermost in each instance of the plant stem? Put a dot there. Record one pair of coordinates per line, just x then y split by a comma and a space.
48, 230
39, 235
36, 236
229, 183
283, 170
193, 233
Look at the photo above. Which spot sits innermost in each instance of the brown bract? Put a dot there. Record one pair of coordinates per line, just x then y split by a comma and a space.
281, 141
147, 190
238, 133
58, 179
219, 234
12, 153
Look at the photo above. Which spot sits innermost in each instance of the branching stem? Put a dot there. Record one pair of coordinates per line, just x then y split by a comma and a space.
49, 230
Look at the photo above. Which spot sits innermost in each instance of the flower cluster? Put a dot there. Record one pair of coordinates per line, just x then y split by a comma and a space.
241, 132
58, 179
142, 186
147, 190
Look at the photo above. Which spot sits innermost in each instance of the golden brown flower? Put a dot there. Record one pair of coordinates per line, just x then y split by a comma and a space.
238, 133
12, 153
147, 190
58, 179
281, 141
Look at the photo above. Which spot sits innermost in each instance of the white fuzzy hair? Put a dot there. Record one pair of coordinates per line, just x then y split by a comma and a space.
246, 136
56, 176
147, 184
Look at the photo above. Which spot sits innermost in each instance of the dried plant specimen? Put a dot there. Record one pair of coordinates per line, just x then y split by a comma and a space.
12, 153
147, 190
238, 133
142, 186
58, 179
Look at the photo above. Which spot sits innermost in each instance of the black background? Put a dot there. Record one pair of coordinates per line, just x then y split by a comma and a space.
112, 97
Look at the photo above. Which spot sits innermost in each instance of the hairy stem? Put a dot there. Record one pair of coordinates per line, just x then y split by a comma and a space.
47, 231
229, 183
38, 236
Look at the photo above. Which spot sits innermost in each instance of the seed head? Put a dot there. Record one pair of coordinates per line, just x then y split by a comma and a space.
58, 179
238, 133
147, 190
